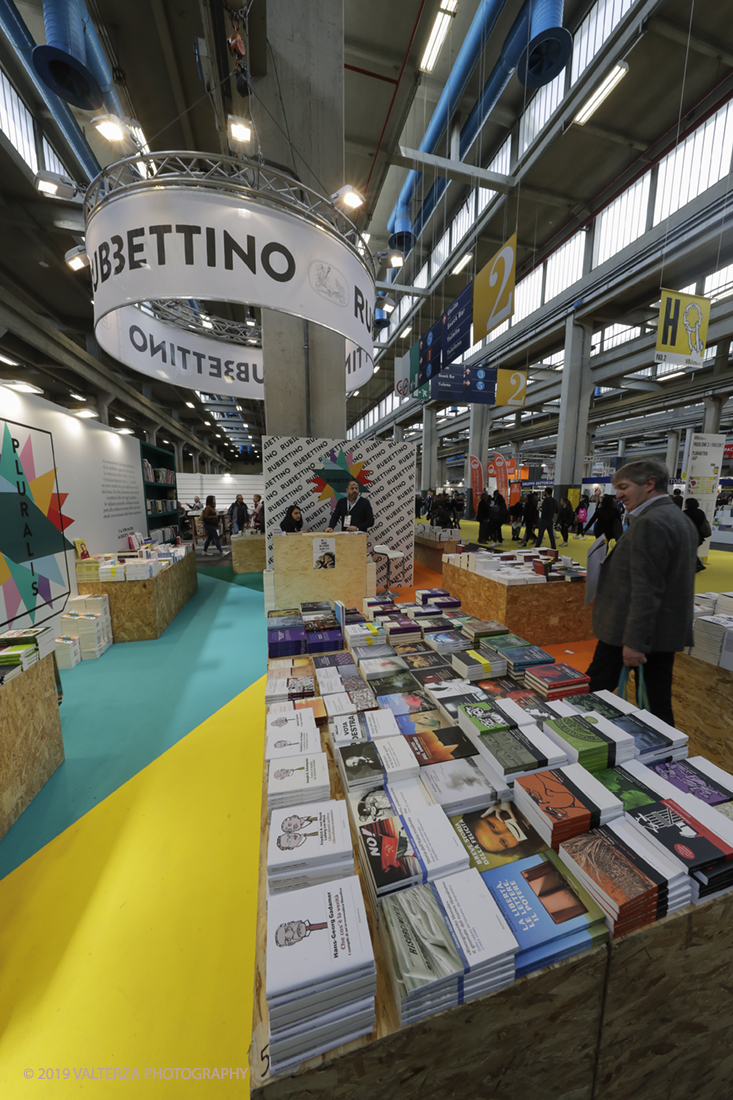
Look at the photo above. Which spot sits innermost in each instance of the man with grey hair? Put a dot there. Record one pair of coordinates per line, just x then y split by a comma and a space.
643, 610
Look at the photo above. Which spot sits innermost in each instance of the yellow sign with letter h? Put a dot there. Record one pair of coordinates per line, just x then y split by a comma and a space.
683, 329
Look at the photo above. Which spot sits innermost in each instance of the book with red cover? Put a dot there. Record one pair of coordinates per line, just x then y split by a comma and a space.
558, 675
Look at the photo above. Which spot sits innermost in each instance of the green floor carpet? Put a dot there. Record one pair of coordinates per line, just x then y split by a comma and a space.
123, 710
226, 573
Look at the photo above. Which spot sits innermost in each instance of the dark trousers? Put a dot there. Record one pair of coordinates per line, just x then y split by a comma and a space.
549, 526
564, 528
212, 535
606, 666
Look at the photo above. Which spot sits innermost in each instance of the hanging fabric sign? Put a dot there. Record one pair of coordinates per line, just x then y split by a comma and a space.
683, 329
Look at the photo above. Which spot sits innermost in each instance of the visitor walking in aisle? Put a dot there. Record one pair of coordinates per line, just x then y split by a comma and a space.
607, 520
258, 514
516, 513
210, 520
482, 515
581, 515
548, 511
643, 608
699, 520
501, 517
677, 497
238, 514
292, 521
565, 518
531, 516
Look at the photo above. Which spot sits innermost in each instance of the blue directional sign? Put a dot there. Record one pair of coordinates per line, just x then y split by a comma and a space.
432, 351
479, 384
458, 320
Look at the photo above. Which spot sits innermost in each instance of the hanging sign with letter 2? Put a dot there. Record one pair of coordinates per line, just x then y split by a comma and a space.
493, 290
683, 329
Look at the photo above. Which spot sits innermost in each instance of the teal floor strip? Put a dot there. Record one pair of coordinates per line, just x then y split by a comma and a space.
125, 709
226, 573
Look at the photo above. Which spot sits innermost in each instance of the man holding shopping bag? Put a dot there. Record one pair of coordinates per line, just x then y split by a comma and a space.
643, 610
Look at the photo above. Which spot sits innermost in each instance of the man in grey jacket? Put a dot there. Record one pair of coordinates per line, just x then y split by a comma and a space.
643, 610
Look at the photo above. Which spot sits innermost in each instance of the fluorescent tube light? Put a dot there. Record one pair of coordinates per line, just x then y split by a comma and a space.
462, 263
604, 89
438, 34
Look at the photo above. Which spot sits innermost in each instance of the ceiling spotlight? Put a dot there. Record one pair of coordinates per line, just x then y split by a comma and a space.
116, 418
207, 423
111, 127
355, 393
463, 262
23, 387
348, 196
376, 369
386, 303
395, 258
240, 129
604, 89
84, 414
77, 257
190, 405
125, 431
251, 322
80, 397
252, 342
10, 362
206, 323
55, 185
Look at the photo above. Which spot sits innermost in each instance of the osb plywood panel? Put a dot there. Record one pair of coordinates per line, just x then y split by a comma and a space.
668, 1018
430, 553
538, 1038
249, 554
296, 581
31, 745
702, 700
545, 614
141, 610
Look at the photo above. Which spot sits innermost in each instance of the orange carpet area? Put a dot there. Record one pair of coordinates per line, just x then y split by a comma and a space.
577, 654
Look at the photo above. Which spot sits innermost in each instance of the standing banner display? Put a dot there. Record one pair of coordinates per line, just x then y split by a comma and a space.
175, 242
493, 290
314, 474
477, 478
515, 493
683, 329
502, 476
702, 476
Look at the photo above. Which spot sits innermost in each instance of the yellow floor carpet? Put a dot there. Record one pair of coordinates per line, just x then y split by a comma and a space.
127, 943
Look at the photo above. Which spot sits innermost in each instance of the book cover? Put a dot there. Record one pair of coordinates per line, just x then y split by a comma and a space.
646, 738
508, 641
559, 675
540, 900
297, 773
303, 742
560, 800
611, 868
496, 836
681, 834
484, 718
691, 780
591, 702
361, 762
513, 751
388, 799
405, 648
372, 652
453, 780
406, 702
394, 684
631, 790
578, 733
420, 722
390, 855
420, 661
438, 745
304, 835
529, 655
438, 675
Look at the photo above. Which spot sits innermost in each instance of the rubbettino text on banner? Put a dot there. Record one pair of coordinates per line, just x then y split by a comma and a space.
493, 290
683, 329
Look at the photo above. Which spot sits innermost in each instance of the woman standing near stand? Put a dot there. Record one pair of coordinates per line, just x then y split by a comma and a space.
210, 520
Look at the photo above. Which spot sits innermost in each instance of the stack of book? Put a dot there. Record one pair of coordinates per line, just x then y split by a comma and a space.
321, 976
555, 681
709, 635
445, 946
583, 742
282, 686
437, 746
370, 725
406, 649
364, 634
563, 802
495, 835
478, 629
444, 603
450, 696
68, 651
725, 603
387, 800
695, 835
336, 660
330, 680
416, 610
323, 641
96, 604
479, 665
87, 569
521, 658
621, 745
366, 763
285, 633
296, 779
136, 569
309, 844
291, 735
402, 629
653, 738
516, 752
360, 694
698, 777
90, 630
504, 642
634, 883
374, 607
372, 652
42, 637
448, 641
427, 595
551, 915
375, 668
112, 571
709, 602
22, 654
462, 785
397, 852
439, 674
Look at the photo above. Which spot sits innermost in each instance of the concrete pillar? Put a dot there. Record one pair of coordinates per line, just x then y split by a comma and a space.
104, 400
689, 432
429, 448
588, 456
442, 471
178, 451
722, 355
575, 397
713, 411
479, 426
151, 433
621, 449
207, 464
305, 386
398, 433
673, 448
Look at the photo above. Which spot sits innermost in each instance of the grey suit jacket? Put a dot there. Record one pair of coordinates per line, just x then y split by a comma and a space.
645, 592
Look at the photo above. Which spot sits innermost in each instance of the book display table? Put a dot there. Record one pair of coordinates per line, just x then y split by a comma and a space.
297, 578
429, 552
646, 1015
547, 613
141, 610
31, 745
249, 553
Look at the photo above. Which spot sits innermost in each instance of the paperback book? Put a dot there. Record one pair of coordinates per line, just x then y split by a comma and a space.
496, 835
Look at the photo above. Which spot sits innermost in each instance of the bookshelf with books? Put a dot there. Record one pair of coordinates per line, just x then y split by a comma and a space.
159, 486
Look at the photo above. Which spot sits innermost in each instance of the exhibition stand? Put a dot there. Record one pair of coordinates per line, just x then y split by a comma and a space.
31, 745
249, 553
546, 613
303, 569
141, 610
429, 552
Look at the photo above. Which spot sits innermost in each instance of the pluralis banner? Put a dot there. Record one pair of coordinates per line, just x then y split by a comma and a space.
175, 243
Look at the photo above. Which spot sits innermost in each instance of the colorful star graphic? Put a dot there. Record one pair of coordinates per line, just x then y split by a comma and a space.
337, 471
32, 524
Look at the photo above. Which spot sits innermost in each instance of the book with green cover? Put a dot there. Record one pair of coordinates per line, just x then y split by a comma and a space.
584, 743
628, 788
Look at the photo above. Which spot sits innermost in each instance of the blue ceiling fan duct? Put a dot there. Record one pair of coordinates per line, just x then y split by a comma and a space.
550, 45
62, 62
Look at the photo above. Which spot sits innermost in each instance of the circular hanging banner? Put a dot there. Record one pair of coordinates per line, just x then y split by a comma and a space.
177, 242
172, 354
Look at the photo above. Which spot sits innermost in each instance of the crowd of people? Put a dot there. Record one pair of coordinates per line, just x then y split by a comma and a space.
441, 509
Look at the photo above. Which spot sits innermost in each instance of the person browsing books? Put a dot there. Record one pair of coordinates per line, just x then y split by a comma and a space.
643, 609
353, 511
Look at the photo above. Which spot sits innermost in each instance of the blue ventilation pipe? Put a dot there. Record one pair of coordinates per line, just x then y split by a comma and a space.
73, 63
534, 41
402, 235
22, 42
